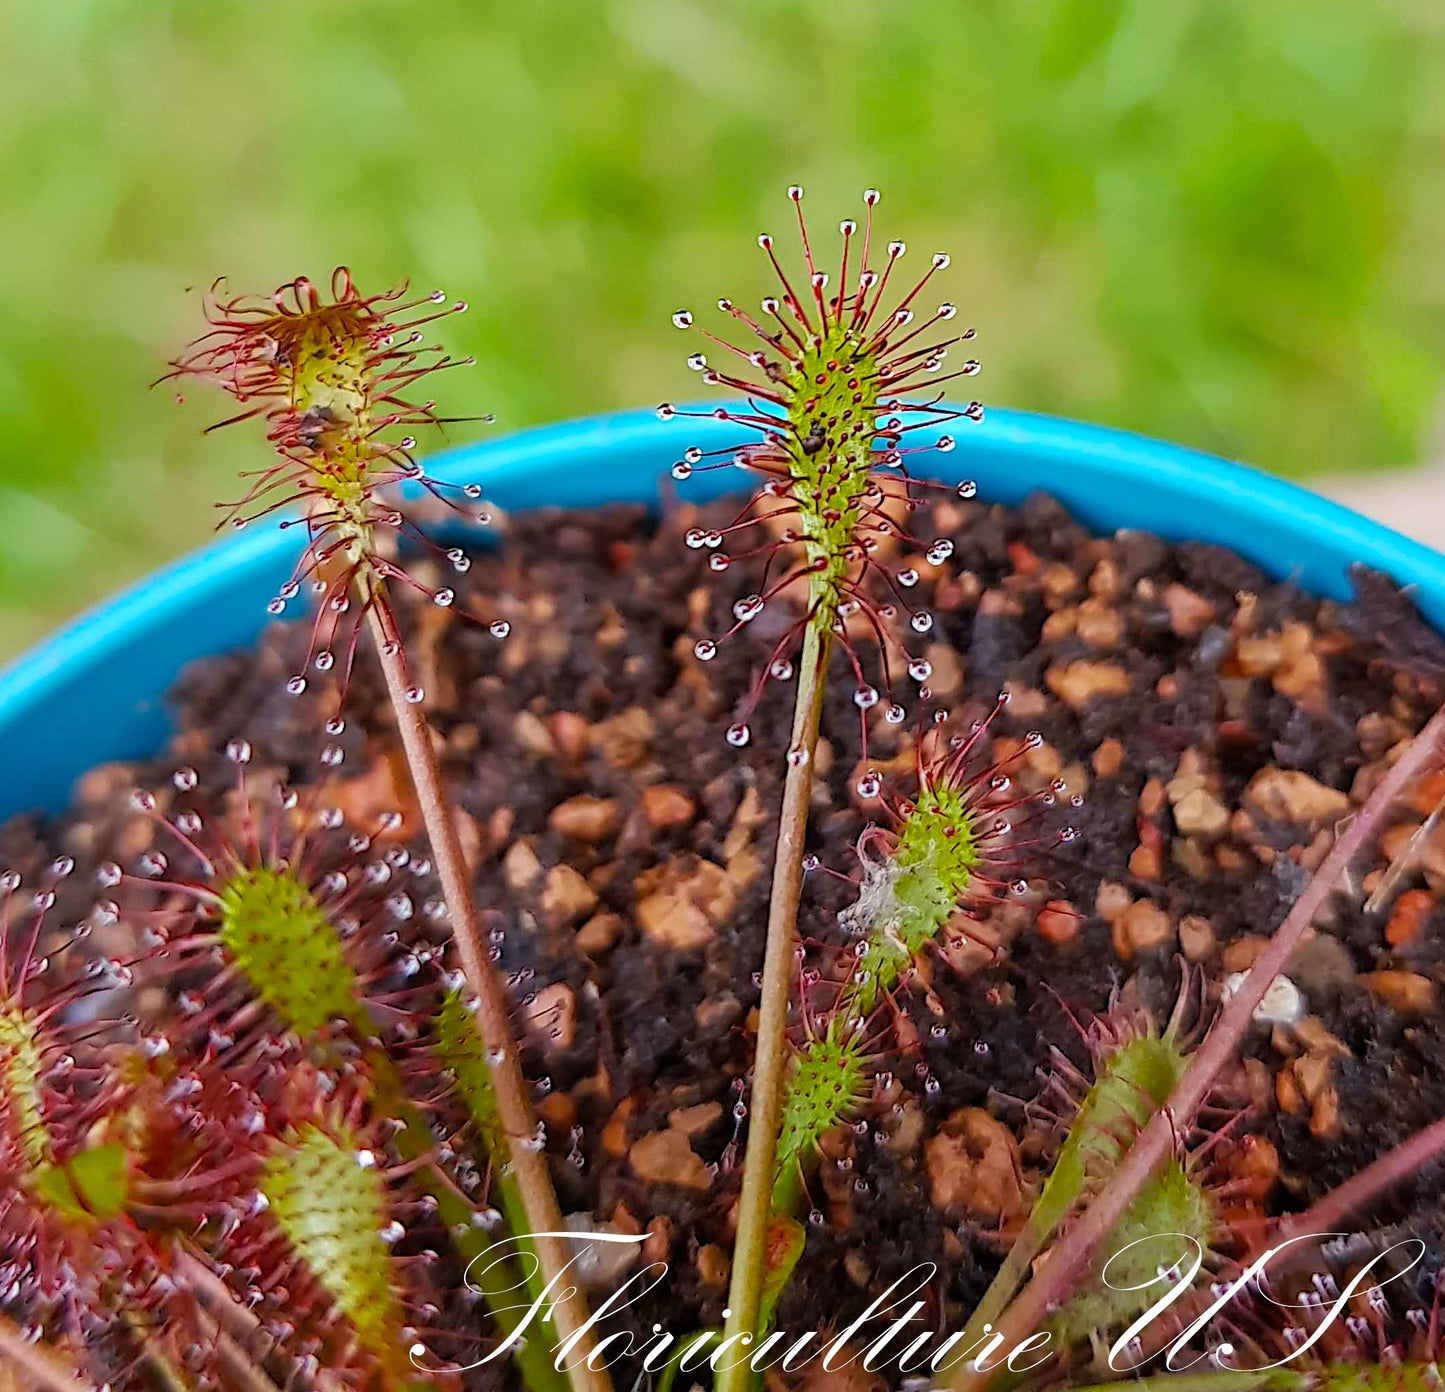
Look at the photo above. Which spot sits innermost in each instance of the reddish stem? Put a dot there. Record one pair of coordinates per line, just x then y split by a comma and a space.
1361, 1190
770, 1057
39, 1365
493, 1015
1159, 1138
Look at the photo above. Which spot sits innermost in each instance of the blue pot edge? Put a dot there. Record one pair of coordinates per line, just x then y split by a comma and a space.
1114, 455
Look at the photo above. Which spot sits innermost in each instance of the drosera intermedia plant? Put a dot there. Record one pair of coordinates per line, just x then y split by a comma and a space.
1188, 1209
1156, 1142
291, 945
124, 1161
822, 377
62, 1235
958, 841
332, 379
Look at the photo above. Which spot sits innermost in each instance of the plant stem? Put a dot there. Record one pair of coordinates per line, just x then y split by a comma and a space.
514, 1109
483, 1260
1160, 1136
238, 1365
771, 1055
40, 1365
166, 1372
1011, 1275
1360, 1190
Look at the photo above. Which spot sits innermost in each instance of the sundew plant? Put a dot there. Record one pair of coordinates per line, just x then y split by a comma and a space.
841, 385
318, 1164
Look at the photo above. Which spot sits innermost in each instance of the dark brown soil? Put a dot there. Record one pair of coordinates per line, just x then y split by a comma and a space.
1166, 680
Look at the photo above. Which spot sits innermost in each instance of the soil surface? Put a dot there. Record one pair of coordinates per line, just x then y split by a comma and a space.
1218, 726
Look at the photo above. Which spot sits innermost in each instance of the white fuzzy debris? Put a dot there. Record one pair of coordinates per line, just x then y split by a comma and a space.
877, 901
1283, 1002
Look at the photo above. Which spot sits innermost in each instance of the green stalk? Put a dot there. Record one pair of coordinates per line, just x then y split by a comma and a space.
493, 1270
771, 1060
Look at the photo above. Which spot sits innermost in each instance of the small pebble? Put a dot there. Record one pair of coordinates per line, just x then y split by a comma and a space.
1057, 922
1076, 684
585, 818
1409, 916
665, 1157
1142, 927
599, 934
1409, 993
567, 898
1108, 758
973, 1167
1282, 1003
667, 807
520, 867
1196, 938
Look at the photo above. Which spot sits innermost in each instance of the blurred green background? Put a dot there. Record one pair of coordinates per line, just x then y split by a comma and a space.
1215, 220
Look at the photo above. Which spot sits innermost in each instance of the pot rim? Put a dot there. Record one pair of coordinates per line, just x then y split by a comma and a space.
120, 657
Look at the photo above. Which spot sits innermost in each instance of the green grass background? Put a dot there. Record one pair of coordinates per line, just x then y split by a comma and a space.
1220, 221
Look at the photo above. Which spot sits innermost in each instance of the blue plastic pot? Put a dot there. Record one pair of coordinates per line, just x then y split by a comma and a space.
94, 692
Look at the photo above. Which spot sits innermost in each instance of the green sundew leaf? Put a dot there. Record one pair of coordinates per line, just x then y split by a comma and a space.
21, 1069
459, 1047
332, 1210
695, 1346
786, 1240
832, 404
908, 901
1371, 1377
1133, 1082
290, 951
99, 1177
1156, 1231
487, 1263
826, 1084
89, 1187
